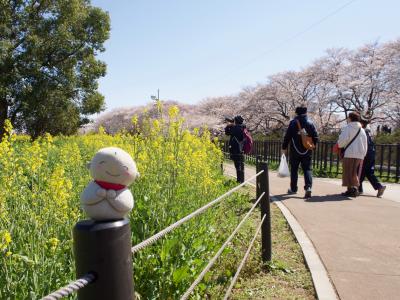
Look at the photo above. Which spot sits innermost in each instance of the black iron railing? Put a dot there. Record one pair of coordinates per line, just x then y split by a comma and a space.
326, 163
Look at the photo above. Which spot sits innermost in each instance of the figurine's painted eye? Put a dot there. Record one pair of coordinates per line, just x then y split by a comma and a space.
102, 162
126, 168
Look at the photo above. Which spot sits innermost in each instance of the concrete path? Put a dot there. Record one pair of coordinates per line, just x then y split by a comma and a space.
358, 240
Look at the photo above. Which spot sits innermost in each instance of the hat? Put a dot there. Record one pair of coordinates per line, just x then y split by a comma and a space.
238, 120
301, 110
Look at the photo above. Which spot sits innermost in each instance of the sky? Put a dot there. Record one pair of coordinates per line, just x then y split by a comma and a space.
190, 49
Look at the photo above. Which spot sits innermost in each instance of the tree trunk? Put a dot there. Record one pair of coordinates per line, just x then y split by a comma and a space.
3, 115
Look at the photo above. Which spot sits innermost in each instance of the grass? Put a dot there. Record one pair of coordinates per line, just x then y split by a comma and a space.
285, 277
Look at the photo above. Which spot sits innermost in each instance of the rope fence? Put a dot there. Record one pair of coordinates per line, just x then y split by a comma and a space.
168, 229
214, 259
71, 288
234, 279
101, 246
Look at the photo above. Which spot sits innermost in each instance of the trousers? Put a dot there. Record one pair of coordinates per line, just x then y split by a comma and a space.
368, 170
238, 161
295, 160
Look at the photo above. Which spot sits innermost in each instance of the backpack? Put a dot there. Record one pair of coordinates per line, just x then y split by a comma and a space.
247, 141
305, 139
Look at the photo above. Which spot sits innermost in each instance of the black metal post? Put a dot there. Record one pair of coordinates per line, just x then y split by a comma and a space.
314, 159
337, 164
389, 167
398, 163
222, 164
104, 248
382, 155
265, 146
330, 157
263, 187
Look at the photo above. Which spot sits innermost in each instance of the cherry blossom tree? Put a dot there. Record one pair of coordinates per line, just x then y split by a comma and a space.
392, 78
365, 80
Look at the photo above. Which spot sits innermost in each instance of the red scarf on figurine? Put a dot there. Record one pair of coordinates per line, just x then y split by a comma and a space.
110, 186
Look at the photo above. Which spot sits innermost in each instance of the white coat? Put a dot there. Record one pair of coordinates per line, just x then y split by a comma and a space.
358, 148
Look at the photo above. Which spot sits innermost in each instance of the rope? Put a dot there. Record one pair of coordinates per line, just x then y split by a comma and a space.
228, 292
163, 232
71, 288
213, 260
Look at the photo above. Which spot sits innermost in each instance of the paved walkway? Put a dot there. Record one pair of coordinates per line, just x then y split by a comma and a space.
358, 240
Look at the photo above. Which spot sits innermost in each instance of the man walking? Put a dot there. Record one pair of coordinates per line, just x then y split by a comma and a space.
235, 129
298, 153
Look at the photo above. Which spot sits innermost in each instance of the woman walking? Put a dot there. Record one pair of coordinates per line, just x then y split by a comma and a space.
353, 141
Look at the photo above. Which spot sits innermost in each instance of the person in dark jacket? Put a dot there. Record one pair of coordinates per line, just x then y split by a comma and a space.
298, 154
368, 166
235, 130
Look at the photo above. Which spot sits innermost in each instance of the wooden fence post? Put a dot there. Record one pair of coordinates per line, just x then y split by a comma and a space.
263, 187
104, 249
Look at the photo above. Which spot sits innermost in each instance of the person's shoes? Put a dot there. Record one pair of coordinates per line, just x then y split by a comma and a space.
351, 193
354, 193
308, 194
346, 193
381, 191
291, 192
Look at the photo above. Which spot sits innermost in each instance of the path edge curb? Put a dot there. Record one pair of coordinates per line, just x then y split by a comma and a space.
322, 284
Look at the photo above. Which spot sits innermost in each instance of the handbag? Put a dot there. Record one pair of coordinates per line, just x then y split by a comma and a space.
305, 139
341, 151
336, 149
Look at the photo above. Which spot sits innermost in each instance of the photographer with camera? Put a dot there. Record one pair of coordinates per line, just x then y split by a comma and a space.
235, 130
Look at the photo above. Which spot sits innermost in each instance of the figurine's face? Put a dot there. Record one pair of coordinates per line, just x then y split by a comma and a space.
113, 165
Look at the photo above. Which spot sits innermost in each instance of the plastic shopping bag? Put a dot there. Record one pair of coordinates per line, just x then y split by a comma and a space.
283, 170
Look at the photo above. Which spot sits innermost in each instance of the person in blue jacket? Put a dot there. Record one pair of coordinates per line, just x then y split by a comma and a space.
298, 154
368, 166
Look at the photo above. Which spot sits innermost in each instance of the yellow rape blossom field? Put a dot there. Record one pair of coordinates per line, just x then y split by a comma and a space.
40, 186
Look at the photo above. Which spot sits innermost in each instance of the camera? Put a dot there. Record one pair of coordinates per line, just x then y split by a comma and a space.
228, 120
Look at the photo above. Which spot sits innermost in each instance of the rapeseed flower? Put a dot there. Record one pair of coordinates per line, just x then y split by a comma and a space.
41, 182
5, 239
52, 244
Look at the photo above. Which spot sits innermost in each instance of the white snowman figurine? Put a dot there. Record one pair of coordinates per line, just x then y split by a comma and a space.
107, 197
